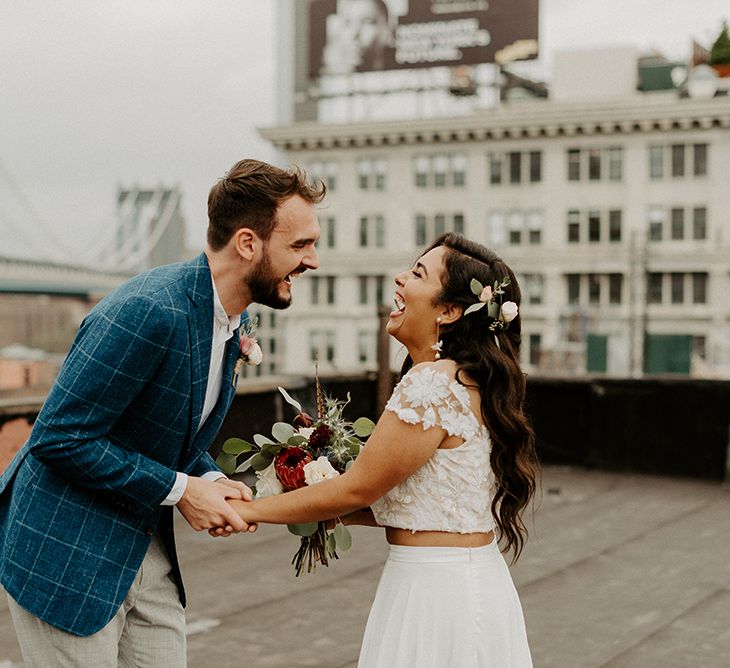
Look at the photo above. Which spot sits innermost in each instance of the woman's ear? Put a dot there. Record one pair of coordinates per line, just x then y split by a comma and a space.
451, 313
245, 242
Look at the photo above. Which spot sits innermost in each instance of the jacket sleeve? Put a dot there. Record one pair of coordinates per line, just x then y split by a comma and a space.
115, 353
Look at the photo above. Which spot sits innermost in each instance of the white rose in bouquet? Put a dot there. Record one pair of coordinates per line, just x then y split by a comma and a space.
267, 483
318, 470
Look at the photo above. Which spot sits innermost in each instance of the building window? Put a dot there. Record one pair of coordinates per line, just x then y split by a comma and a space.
594, 226
314, 290
677, 159
515, 167
699, 288
573, 288
496, 228
371, 173
594, 289
421, 167
322, 345
515, 223
420, 230
573, 226
363, 289
329, 232
364, 347
330, 283
372, 231
699, 346
654, 288
699, 223
534, 288
573, 164
427, 229
700, 160
615, 164
440, 170
656, 162
614, 225
535, 166
495, 169
676, 291
535, 223
325, 171
535, 349
677, 223
615, 288
656, 223
458, 170
594, 164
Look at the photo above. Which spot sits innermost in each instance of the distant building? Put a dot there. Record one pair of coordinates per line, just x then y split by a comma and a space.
610, 203
150, 229
25, 368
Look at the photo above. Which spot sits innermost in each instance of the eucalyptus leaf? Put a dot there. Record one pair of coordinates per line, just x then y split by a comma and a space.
259, 462
493, 310
350, 462
342, 537
297, 439
235, 446
354, 449
261, 440
476, 286
474, 307
308, 529
270, 451
226, 463
245, 465
290, 400
282, 432
363, 427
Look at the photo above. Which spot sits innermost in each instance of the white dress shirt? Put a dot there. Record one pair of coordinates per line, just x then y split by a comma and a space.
223, 327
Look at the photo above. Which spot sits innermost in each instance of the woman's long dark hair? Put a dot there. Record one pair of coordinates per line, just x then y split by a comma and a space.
497, 372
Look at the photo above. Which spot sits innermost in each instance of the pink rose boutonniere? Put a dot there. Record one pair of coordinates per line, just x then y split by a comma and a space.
249, 351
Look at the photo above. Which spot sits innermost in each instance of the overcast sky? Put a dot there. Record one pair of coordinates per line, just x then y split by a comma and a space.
100, 93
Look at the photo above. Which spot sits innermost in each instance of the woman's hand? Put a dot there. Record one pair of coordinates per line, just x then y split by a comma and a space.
226, 531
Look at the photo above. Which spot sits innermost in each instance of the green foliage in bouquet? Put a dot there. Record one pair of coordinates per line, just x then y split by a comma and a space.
305, 453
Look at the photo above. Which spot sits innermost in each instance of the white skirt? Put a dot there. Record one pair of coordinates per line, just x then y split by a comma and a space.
442, 607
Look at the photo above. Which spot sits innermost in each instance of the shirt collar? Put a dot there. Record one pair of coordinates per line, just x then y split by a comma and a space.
220, 317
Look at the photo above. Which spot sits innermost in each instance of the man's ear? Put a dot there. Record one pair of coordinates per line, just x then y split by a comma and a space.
451, 313
246, 243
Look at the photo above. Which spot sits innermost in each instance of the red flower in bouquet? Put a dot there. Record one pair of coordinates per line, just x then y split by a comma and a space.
320, 438
289, 466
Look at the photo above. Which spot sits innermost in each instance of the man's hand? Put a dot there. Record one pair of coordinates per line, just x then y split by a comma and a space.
224, 532
203, 504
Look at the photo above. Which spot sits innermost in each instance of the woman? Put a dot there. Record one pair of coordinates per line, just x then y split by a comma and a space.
450, 462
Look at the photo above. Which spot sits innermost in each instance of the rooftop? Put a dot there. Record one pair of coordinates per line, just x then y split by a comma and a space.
619, 570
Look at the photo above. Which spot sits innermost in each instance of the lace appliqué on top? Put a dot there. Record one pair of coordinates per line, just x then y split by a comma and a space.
453, 490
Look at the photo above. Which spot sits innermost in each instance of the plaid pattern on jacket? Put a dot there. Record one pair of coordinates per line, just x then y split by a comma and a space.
81, 500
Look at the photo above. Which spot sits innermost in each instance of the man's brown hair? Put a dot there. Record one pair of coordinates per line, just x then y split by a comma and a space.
249, 195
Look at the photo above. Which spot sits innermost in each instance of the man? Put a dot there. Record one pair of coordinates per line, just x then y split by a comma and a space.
87, 552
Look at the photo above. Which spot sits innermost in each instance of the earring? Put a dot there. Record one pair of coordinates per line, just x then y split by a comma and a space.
439, 345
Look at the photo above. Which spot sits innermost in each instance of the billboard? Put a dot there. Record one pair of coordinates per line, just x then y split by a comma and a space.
348, 36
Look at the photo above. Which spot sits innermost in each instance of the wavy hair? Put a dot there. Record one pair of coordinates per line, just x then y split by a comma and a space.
495, 368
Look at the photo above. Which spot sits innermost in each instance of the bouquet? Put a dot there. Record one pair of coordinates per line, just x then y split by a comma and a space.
305, 452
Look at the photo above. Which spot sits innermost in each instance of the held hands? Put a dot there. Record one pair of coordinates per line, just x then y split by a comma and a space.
204, 505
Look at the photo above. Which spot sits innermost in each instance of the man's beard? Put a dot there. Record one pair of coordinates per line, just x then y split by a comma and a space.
263, 285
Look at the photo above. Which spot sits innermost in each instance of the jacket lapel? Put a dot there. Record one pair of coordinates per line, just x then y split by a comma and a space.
200, 322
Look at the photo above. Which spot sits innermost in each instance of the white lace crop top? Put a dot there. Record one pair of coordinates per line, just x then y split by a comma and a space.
453, 490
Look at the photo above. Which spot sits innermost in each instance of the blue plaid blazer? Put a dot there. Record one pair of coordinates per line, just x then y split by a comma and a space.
81, 500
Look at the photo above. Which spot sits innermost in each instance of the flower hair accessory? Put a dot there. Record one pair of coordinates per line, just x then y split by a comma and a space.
501, 313
249, 351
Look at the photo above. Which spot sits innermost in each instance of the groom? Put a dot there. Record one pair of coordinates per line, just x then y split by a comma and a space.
87, 552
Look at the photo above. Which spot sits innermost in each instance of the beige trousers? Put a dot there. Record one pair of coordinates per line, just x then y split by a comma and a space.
148, 631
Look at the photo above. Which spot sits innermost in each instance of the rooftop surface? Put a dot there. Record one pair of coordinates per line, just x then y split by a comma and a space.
619, 571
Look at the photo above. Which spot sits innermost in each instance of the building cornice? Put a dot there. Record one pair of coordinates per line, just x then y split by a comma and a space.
536, 120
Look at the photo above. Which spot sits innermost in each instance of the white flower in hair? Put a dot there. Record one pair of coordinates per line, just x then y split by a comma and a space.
508, 312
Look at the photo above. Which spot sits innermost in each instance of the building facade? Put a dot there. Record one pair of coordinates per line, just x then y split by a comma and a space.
615, 216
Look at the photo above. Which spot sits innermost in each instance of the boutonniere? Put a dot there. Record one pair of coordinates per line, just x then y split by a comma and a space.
249, 351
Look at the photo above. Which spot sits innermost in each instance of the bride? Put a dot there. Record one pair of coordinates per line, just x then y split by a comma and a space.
448, 470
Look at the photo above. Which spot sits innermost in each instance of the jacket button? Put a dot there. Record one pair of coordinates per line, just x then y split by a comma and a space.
149, 531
